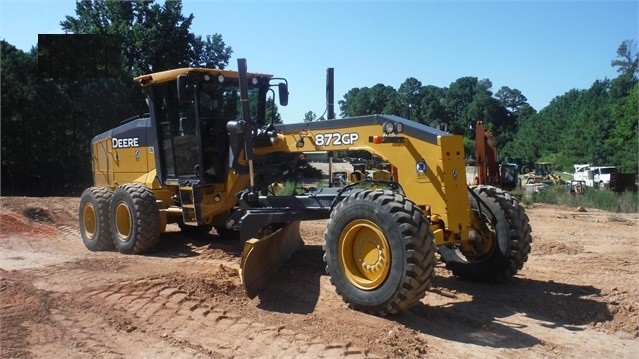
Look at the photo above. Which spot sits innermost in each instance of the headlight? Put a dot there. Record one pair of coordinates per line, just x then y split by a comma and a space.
388, 127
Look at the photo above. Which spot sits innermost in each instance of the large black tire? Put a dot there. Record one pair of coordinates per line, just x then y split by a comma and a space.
95, 228
504, 231
135, 219
379, 252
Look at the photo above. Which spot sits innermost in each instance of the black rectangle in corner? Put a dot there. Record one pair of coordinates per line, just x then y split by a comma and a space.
79, 56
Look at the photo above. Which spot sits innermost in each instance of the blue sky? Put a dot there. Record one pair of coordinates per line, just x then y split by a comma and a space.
542, 48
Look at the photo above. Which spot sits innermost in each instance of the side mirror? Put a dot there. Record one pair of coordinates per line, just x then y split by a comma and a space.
184, 88
283, 91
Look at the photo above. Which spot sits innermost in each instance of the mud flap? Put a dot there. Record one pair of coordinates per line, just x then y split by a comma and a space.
261, 258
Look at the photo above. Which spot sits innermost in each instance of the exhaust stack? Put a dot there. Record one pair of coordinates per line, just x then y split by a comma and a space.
330, 94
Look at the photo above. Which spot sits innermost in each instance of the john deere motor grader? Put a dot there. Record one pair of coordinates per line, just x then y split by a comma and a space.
206, 157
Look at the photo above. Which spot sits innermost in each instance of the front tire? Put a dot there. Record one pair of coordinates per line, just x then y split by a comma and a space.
135, 219
379, 252
93, 216
504, 239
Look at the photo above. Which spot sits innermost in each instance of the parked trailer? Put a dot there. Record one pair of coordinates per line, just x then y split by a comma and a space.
623, 182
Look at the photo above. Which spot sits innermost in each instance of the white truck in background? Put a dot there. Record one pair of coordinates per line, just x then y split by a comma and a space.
594, 176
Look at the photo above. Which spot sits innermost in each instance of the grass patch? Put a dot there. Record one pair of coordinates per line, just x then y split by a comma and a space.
626, 202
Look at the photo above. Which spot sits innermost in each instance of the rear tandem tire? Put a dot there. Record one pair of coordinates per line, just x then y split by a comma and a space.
379, 252
135, 219
506, 244
93, 216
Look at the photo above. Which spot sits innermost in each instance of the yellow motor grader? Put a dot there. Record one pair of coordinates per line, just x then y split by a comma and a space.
206, 156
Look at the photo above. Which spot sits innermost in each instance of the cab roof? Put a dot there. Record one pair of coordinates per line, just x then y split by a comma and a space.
170, 75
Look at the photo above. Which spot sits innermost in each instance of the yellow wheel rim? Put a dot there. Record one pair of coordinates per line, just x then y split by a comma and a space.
89, 220
486, 237
364, 254
123, 223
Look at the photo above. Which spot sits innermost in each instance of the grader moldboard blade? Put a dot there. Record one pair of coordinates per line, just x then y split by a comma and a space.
261, 258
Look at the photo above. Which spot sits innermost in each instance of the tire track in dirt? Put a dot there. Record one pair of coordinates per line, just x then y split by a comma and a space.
108, 334
68, 232
20, 303
198, 309
195, 313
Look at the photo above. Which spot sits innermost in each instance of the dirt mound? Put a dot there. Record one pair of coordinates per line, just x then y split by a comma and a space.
19, 214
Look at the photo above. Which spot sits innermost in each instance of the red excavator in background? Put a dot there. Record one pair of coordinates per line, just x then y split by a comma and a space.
489, 171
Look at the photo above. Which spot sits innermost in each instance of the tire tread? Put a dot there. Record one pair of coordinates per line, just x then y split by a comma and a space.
418, 243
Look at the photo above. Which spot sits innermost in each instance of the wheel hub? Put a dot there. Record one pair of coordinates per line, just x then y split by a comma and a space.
89, 220
123, 223
485, 240
370, 254
364, 254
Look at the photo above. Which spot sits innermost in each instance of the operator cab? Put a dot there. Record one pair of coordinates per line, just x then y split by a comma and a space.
191, 109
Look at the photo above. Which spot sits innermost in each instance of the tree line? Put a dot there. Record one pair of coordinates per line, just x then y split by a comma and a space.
48, 121
596, 125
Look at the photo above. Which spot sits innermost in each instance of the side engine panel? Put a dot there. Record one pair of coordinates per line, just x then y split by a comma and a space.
124, 154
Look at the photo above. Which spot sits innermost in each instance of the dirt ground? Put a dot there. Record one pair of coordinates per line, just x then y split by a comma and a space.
576, 297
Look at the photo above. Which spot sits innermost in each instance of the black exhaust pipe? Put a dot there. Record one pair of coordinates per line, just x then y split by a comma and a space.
330, 115
246, 119
330, 94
